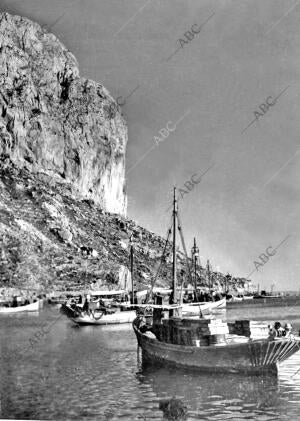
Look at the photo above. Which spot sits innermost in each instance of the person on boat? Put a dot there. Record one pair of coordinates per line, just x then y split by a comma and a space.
288, 331
101, 305
273, 331
142, 324
86, 306
270, 331
279, 331
201, 296
72, 303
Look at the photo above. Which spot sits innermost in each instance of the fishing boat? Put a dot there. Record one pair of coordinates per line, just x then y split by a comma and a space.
112, 309
247, 356
195, 309
106, 307
189, 309
214, 302
20, 309
239, 299
172, 339
191, 295
100, 318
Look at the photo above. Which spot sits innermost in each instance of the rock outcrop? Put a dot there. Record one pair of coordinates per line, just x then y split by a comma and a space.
54, 122
62, 165
51, 241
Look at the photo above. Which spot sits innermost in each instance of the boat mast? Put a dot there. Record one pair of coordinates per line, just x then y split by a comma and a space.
131, 268
195, 254
174, 271
208, 274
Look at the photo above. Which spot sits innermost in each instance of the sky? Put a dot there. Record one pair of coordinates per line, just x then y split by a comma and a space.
210, 92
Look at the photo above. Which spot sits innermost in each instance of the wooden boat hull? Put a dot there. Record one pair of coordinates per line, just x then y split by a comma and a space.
106, 319
254, 357
67, 310
28, 307
193, 309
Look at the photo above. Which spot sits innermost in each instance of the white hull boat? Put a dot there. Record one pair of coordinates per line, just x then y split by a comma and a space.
194, 308
99, 318
28, 307
244, 298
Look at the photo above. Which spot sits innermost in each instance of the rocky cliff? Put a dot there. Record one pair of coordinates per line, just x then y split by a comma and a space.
62, 163
56, 123
50, 240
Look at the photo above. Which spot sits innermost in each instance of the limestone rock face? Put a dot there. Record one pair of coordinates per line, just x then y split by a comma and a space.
56, 123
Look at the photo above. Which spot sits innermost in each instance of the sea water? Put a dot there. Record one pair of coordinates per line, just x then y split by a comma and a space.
51, 370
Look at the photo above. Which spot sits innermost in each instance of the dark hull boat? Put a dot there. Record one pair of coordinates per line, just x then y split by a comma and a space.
68, 311
208, 345
254, 356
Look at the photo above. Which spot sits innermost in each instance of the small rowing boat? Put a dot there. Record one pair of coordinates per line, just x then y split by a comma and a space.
25, 308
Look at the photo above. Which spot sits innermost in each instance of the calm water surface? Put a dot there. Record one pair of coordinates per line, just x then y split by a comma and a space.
95, 373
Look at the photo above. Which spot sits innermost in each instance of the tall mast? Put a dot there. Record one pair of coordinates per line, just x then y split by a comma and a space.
131, 268
195, 254
174, 272
208, 273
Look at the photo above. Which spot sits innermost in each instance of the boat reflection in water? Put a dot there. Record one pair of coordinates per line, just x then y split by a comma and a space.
207, 396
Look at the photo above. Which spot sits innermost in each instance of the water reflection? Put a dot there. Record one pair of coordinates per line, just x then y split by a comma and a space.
211, 395
95, 373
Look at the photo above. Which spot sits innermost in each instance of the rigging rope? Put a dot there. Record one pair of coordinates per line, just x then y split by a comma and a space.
149, 295
183, 246
150, 292
187, 260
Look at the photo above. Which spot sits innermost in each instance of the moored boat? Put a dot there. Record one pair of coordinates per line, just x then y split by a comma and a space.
107, 307
239, 299
100, 318
251, 356
23, 308
190, 309
195, 309
67, 310
207, 345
